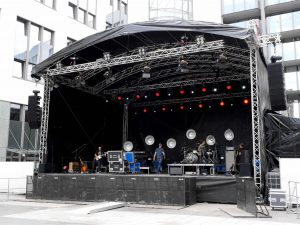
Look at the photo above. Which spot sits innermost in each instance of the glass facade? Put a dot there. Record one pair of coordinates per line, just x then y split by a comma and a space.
283, 22
83, 11
171, 10
288, 50
230, 6
272, 2
33, 44
49, 3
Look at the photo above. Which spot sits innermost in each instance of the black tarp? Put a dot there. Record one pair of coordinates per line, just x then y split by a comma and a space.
100, 39
282, 135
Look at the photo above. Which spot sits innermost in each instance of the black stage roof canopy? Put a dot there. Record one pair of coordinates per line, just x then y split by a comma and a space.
153, 36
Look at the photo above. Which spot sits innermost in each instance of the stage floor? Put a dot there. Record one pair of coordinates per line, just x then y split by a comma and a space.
162, 189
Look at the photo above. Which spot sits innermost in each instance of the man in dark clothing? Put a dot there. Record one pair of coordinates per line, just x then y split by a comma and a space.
159, 155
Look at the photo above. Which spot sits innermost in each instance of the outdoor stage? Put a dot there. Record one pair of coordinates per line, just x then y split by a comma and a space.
142, 189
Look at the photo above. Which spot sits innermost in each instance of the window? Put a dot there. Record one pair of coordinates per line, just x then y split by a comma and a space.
124, 8
81, 14
272, 2
284, 22
297, 47
84, 11
289, 51
18, 69
15, 110
33, 44
49, 3
227, 6
291, 81
230, 6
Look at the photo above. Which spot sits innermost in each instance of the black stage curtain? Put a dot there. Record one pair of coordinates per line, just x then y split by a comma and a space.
209, 121
81, 121
282, 135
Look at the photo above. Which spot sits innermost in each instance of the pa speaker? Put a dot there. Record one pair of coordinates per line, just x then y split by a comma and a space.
244, 169
276, 86
34, 112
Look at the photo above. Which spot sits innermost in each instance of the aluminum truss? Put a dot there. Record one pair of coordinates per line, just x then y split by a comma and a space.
45, 117
192, 99
154, 55
125, 123
175, 84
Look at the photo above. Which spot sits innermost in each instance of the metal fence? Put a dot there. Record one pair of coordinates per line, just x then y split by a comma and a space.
12, 188
294, 198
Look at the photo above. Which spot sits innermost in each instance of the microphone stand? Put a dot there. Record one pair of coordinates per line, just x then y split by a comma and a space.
76, 151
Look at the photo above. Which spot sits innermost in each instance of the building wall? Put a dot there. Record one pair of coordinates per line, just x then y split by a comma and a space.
273, 16
14, 89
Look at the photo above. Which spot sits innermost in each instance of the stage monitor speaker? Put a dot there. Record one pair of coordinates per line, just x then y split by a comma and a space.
244, 169
277, 86
34, 112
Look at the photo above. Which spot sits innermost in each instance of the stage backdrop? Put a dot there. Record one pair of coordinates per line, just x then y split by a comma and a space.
207, 121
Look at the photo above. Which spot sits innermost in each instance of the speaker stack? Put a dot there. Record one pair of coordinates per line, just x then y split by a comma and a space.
277, 86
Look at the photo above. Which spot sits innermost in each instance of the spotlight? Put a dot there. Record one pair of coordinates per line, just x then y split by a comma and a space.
200, 40
246, 101
142, 51
203, 89
163, 109
184, 40
169, 94
106, 56
228, 87
157, 93
137, 96
192, 92
200, 105
215, 88
183, 66
145, 96
222, 103
181, 107
243, 85
146, 71
120, 98
106, 101
181, 91
127, 98
73, 59
144, 110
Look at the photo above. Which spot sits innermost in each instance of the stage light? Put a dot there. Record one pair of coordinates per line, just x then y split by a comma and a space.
181, 107
190, 108
181, 91
169, 94
145, 96
200, 105
137, 96
243, 87
228, 87
183, 66
215, 88
200, 40
203, 89
146, 72
142, 51
171, 110
154, 111
106, 101
157, 93
246, 101
106, 56
192, 92
120, 98
222, 103
127, 98
145, 110
164, 109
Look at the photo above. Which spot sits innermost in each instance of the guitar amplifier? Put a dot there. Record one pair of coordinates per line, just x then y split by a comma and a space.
115, 156
116, 167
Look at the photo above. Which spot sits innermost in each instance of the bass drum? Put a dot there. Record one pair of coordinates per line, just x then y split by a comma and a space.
191, 158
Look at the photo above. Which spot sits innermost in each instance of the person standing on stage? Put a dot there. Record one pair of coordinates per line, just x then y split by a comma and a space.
159, 156
202, 149
97, 159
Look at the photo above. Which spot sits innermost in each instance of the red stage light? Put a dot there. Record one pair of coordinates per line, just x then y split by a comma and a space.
181, 91
164, 109
137, 96
228, 87
157, 94
120, 98
203, 89
246, 101
222, 103
200, 105
144, 110
182, 107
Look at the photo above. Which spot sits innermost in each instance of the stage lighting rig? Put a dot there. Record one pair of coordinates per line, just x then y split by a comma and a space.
275, 58
200, 40
142, 51
73, 60
107, 56
146, 72
184, 40
183, 66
